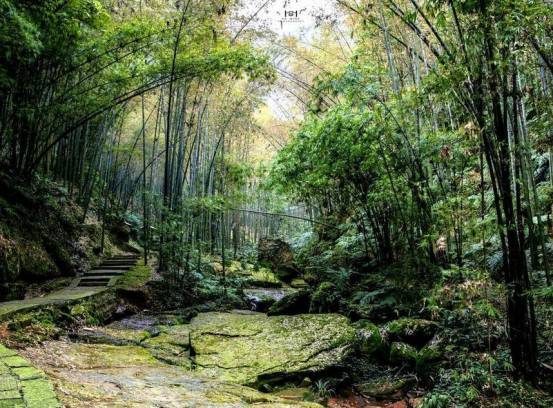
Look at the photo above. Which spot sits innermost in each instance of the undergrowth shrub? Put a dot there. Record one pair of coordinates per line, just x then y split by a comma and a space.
483, 380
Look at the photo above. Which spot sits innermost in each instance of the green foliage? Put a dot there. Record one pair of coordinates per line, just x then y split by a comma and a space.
545, 293
325, 298
483, 382
322, 390
471, 308
90, 61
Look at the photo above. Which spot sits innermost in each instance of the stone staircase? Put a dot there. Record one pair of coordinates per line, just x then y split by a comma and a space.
108, 271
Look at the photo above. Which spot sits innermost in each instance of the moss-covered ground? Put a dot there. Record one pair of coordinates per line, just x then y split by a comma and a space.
135, 277
22, 385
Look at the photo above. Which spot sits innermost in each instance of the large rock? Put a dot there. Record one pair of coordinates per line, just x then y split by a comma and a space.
279, 256
292, 304
403, 354
129, 376
369, 339
254, 348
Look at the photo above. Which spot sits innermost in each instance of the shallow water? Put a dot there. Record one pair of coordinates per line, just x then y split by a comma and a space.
258, 295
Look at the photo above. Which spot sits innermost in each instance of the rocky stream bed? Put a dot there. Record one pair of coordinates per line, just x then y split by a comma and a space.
155, 361
279, 353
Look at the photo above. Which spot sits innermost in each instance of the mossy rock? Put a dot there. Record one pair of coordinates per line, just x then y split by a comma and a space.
402, 353
325, 299
263, 278
16, 362
170, 348
369, 339
299, 283
22, 384
6, 352
296, 393
292, 304
108, 335
10, 264
120, 230
35, 263
118, 380
178, 338
57, 249
12, 290
261, 299
95, 356
416, 332
251, 348
28, 373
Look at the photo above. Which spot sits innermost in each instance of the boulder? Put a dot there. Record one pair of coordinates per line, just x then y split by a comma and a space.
275, 251
402, 353
295, 303
416, 332
278, 255
259, 302
299, 283
252, 348
263, 278
369, 339
116, 376
379, 305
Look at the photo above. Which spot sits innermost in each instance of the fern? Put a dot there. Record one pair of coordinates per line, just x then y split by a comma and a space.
495, 261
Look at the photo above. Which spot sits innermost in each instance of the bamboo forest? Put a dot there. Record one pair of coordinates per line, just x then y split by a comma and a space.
276, 203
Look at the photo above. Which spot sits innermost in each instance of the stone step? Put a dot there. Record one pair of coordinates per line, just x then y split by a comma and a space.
116, 267
125, 257
119, 263
96, 277
91, 284
104, 272
94, 281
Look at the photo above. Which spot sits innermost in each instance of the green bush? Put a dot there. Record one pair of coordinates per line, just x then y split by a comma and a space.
483, 380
